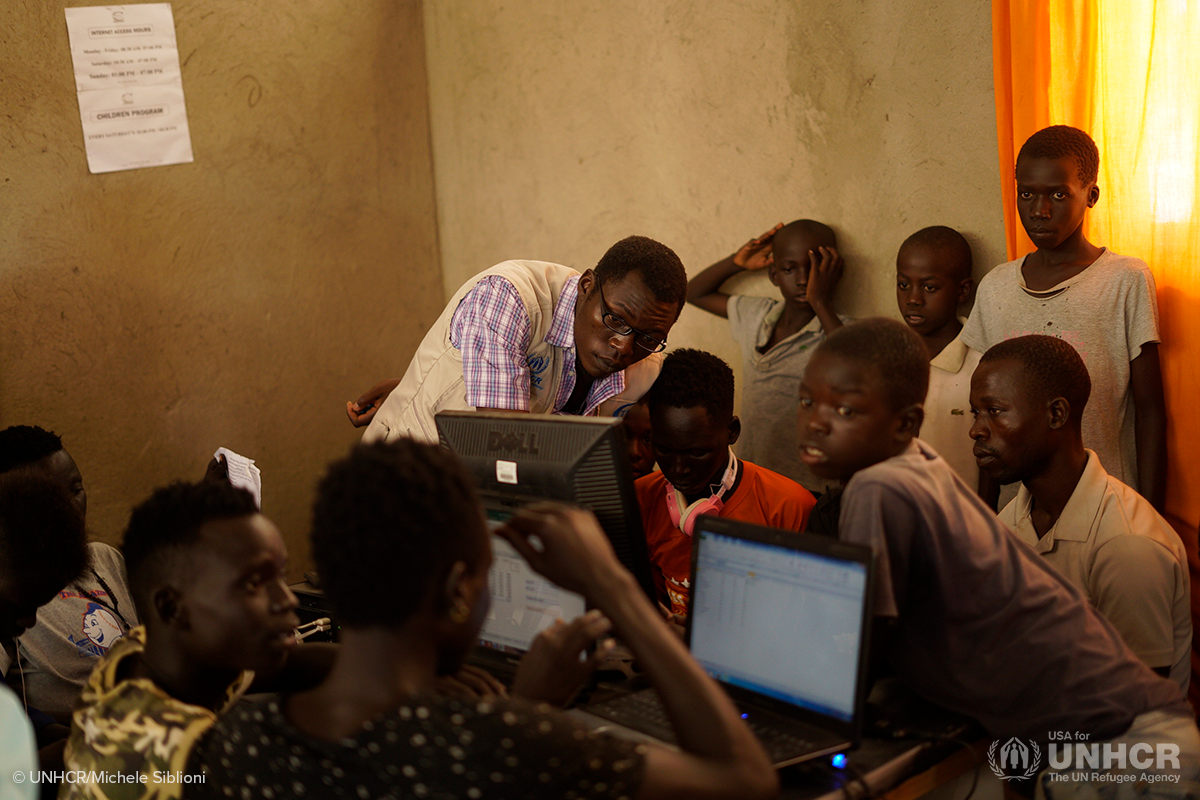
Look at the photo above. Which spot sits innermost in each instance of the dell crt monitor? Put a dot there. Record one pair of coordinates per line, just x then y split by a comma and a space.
517, 458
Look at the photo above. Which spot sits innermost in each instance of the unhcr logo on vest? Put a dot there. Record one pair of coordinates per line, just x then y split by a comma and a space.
1016, 759
537, 365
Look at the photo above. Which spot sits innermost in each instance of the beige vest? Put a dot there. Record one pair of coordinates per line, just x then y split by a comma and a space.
434, 379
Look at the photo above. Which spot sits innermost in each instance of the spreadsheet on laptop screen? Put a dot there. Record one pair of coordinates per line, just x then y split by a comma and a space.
782, 622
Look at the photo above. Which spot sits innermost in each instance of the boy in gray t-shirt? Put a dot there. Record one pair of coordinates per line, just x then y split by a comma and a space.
1102, 303
972, 618
56, 656
776, 337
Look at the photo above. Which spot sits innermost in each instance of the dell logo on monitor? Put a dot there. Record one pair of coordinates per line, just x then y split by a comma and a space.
525, 443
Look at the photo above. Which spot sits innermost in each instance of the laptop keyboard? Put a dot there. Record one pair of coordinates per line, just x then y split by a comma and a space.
643, 711
780, 744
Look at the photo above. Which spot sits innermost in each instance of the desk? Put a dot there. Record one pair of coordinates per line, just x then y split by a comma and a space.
903, 768
890, 768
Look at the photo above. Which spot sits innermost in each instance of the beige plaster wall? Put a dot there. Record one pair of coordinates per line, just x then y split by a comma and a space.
151, 316
559, 128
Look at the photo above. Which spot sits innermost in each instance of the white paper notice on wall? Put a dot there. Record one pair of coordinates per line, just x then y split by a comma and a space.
129, 85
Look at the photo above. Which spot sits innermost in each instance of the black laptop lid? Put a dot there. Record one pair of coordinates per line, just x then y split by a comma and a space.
783, 619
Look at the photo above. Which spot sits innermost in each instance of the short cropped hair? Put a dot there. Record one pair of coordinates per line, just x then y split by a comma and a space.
1059, 141
892, 349
43, 547
947, 241
1052, 367
821, 234
21, 445
388, 523
660, 268
170, 520
691, 378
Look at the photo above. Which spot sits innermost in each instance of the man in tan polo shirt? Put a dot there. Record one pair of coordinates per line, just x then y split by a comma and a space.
1028, 396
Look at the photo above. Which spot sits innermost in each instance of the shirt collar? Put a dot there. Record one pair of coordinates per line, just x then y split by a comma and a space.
919, 447
1078, 516
732, 466
953, 355
1083, 508
562, 334
772, 316
1057, 289
603, 389
562, 325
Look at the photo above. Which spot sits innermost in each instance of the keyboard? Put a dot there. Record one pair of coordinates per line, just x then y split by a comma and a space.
782, 738
641, 711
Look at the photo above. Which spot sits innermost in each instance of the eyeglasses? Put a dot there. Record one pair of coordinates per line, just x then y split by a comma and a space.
621, 328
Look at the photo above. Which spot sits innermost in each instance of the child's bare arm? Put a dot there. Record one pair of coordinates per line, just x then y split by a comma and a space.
704, 290
1150, 425
825, 270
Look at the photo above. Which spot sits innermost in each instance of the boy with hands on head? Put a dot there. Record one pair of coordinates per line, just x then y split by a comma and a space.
776, 337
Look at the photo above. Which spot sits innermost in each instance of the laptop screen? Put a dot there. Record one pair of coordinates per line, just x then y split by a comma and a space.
523, 602
782, 622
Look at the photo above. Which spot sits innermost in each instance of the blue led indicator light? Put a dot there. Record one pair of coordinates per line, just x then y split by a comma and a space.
745, 716
839, 761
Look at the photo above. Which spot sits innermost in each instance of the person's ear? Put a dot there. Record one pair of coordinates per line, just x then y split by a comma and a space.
964, 290
735, 429
773, 274
586, 281
909, 421
1059, 411
1093, 195
169, 607
457, 597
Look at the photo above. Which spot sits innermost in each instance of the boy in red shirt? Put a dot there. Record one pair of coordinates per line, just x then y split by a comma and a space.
692, 429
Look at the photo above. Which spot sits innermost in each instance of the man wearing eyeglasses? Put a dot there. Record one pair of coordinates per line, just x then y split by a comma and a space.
538, 337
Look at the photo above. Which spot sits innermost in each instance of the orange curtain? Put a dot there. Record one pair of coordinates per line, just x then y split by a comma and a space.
1128, 73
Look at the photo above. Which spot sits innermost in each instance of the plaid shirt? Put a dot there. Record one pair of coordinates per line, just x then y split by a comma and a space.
491, 327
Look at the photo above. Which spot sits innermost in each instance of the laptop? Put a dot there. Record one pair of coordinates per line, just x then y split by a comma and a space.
523, 604
782, 621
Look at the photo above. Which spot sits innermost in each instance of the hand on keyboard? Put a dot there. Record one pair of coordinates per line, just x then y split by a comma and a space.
471, 683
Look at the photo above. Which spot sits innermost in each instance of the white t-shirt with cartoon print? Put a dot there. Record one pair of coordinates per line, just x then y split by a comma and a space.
73, 631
